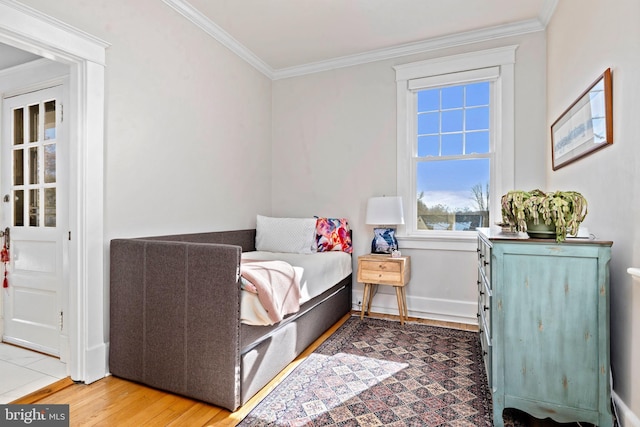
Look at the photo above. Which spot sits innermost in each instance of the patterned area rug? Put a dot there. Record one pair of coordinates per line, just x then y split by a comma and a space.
378, 373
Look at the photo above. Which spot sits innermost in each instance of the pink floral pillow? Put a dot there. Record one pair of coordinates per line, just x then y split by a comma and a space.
333, 234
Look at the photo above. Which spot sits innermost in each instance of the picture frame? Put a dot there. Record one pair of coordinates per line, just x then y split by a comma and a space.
586, 126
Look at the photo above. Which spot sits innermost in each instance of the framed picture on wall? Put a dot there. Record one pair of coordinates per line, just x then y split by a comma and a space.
586, 126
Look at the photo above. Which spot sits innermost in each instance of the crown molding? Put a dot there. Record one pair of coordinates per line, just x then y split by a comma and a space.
459, 39
215, 31
548, 8
453, 40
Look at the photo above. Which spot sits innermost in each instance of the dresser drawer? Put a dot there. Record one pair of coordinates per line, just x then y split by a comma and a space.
484, 260
486, 355
484, 307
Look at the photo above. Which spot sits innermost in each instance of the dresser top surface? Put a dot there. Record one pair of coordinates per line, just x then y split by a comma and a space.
496, 234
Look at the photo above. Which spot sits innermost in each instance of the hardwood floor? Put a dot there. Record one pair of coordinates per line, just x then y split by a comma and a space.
116, 402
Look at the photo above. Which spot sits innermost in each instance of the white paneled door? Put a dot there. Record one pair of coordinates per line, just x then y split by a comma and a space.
34, 211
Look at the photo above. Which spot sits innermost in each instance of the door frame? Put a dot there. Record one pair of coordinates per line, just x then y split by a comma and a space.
30, 30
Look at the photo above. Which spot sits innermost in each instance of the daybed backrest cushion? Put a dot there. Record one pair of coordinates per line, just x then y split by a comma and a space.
243, 238
294, 235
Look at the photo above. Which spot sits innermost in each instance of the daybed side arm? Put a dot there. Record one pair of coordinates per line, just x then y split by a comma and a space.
175, 318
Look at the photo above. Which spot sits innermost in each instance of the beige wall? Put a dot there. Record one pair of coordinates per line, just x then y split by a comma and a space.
584, 38
334, 146
188, 123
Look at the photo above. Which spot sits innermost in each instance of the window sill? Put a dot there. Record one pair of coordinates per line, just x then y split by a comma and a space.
467, 243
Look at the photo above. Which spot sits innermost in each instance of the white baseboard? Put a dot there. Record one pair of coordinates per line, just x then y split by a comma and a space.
626, 417
424, 308
96, 363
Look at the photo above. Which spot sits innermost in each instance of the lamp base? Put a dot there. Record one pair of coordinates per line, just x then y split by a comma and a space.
384, 241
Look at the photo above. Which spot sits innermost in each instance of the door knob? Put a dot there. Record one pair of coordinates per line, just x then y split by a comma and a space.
6, 198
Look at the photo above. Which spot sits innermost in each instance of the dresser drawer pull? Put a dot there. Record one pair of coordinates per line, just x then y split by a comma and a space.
486, 308
486, 262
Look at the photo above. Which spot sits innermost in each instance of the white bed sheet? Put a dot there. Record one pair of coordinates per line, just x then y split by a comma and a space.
320, 271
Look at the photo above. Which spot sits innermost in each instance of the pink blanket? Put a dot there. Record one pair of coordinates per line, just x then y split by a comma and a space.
277, 285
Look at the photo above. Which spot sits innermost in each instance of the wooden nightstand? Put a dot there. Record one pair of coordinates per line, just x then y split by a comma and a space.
377, 270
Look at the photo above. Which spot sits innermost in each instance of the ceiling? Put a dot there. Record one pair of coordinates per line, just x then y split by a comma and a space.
291, 33
290, 36
10, 57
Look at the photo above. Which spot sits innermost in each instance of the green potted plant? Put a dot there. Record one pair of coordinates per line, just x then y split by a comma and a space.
563, 211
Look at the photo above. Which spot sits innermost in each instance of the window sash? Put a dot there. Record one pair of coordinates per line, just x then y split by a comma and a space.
495, 64
454, 79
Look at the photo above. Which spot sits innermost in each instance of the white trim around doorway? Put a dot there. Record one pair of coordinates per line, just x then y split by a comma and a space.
32, 31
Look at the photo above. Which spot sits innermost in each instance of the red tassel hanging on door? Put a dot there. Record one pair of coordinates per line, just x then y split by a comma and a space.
4, 258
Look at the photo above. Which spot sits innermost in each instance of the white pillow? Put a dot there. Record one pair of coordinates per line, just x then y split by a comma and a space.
294, 235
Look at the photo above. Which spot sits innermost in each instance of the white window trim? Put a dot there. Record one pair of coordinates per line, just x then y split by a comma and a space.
432, 72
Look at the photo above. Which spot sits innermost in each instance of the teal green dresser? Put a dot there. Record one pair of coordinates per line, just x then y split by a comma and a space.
543, 313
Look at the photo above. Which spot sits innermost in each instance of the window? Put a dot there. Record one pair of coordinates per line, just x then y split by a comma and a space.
455, 143
453, 157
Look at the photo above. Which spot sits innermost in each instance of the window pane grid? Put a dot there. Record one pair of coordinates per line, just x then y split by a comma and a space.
452, 157
431, 104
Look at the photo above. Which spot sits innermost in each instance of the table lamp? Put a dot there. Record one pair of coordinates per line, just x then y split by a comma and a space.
384, 212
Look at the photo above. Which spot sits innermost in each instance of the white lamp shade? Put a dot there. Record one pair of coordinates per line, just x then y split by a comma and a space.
384, 211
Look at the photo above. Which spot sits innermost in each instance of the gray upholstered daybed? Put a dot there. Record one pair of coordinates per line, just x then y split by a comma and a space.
175, 318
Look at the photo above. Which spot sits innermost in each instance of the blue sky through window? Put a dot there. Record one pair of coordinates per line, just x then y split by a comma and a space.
453, 121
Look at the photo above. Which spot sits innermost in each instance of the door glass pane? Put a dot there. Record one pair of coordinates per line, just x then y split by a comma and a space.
49, 207
18, 208
50, 163
33, 165
34, 114
34, 208
18, 167
50, 120
18, 126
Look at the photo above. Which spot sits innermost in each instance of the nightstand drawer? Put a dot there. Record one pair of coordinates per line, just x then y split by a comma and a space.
382, 266
383, 270
375, 276
375, 269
